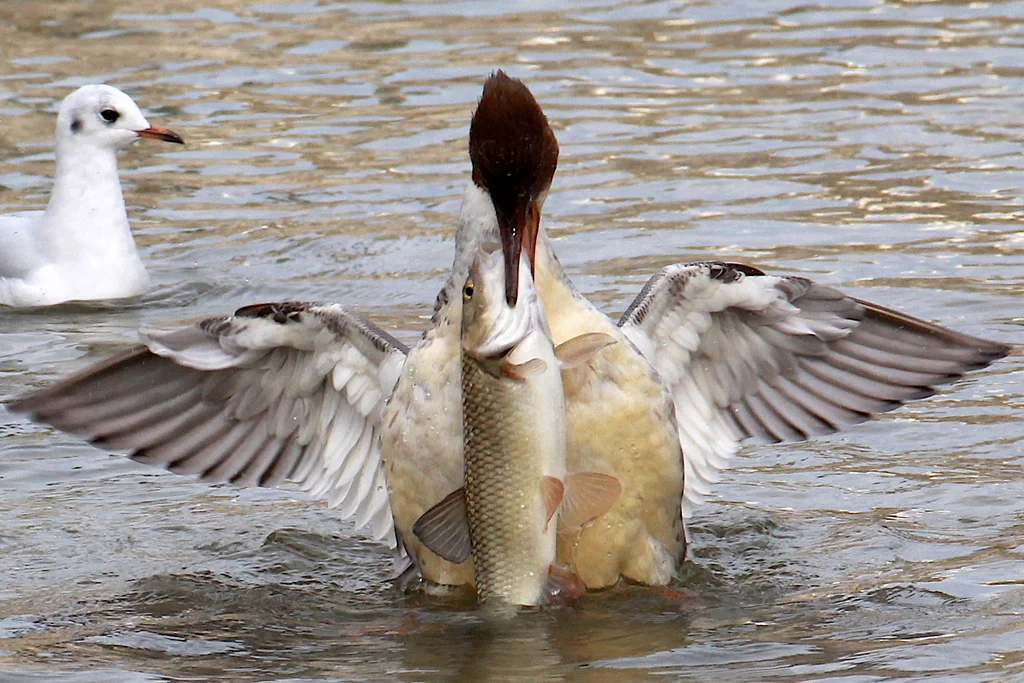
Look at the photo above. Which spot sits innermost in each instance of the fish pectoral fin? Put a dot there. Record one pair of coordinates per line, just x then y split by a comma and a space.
444, 528
552, 490
588, 495
562, 587
579, 350
521, 371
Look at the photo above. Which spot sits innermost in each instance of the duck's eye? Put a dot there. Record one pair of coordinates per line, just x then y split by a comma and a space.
109, 115
467, 291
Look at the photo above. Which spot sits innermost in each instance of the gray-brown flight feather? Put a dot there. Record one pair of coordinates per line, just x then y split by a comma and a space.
752, 356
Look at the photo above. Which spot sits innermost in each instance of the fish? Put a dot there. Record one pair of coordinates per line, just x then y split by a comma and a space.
516, 489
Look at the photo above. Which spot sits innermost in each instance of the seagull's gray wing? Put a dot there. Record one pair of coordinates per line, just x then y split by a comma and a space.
752, 356
278, 392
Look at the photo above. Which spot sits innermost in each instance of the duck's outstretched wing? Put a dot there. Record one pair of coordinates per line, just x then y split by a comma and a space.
752, 356
277, 392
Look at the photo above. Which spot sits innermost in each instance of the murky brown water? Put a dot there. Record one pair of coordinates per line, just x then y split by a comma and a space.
876, 146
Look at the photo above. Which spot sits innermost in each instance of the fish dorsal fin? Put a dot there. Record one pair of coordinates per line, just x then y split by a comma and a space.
588, 495
579, 350
552, 490
521, 371
562, 587
444, 528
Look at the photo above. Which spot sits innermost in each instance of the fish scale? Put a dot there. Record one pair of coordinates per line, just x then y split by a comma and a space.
502, 479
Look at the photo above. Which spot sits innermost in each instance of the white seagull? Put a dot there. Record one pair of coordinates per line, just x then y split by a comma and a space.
708, 355
81, 247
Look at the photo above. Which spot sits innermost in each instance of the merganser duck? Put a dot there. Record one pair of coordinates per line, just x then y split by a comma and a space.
709, 355
81, 247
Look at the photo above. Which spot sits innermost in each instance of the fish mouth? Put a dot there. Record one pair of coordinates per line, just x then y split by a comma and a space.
509, 328
519, 235
157, 133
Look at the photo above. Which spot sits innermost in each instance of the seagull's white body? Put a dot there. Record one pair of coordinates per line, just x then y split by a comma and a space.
81, 247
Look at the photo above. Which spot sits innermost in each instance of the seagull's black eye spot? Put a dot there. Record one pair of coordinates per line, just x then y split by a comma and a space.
110, 115
467, 291
76, 125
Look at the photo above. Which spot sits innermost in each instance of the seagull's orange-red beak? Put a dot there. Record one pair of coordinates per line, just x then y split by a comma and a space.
160, 134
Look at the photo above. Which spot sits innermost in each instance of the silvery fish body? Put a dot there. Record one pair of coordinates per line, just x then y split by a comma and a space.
514, 432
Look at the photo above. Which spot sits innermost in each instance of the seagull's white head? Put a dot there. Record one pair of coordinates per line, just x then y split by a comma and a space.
104, 117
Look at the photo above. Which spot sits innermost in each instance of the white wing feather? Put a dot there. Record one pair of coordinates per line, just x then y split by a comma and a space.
751, 356
277, 392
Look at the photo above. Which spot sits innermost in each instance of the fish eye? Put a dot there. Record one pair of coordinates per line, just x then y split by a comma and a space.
109, 115
467, 291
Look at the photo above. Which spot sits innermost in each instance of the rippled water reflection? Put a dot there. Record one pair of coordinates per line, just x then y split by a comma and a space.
872, 145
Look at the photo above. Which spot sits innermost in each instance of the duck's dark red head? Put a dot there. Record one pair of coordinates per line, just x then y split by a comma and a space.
514, 154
